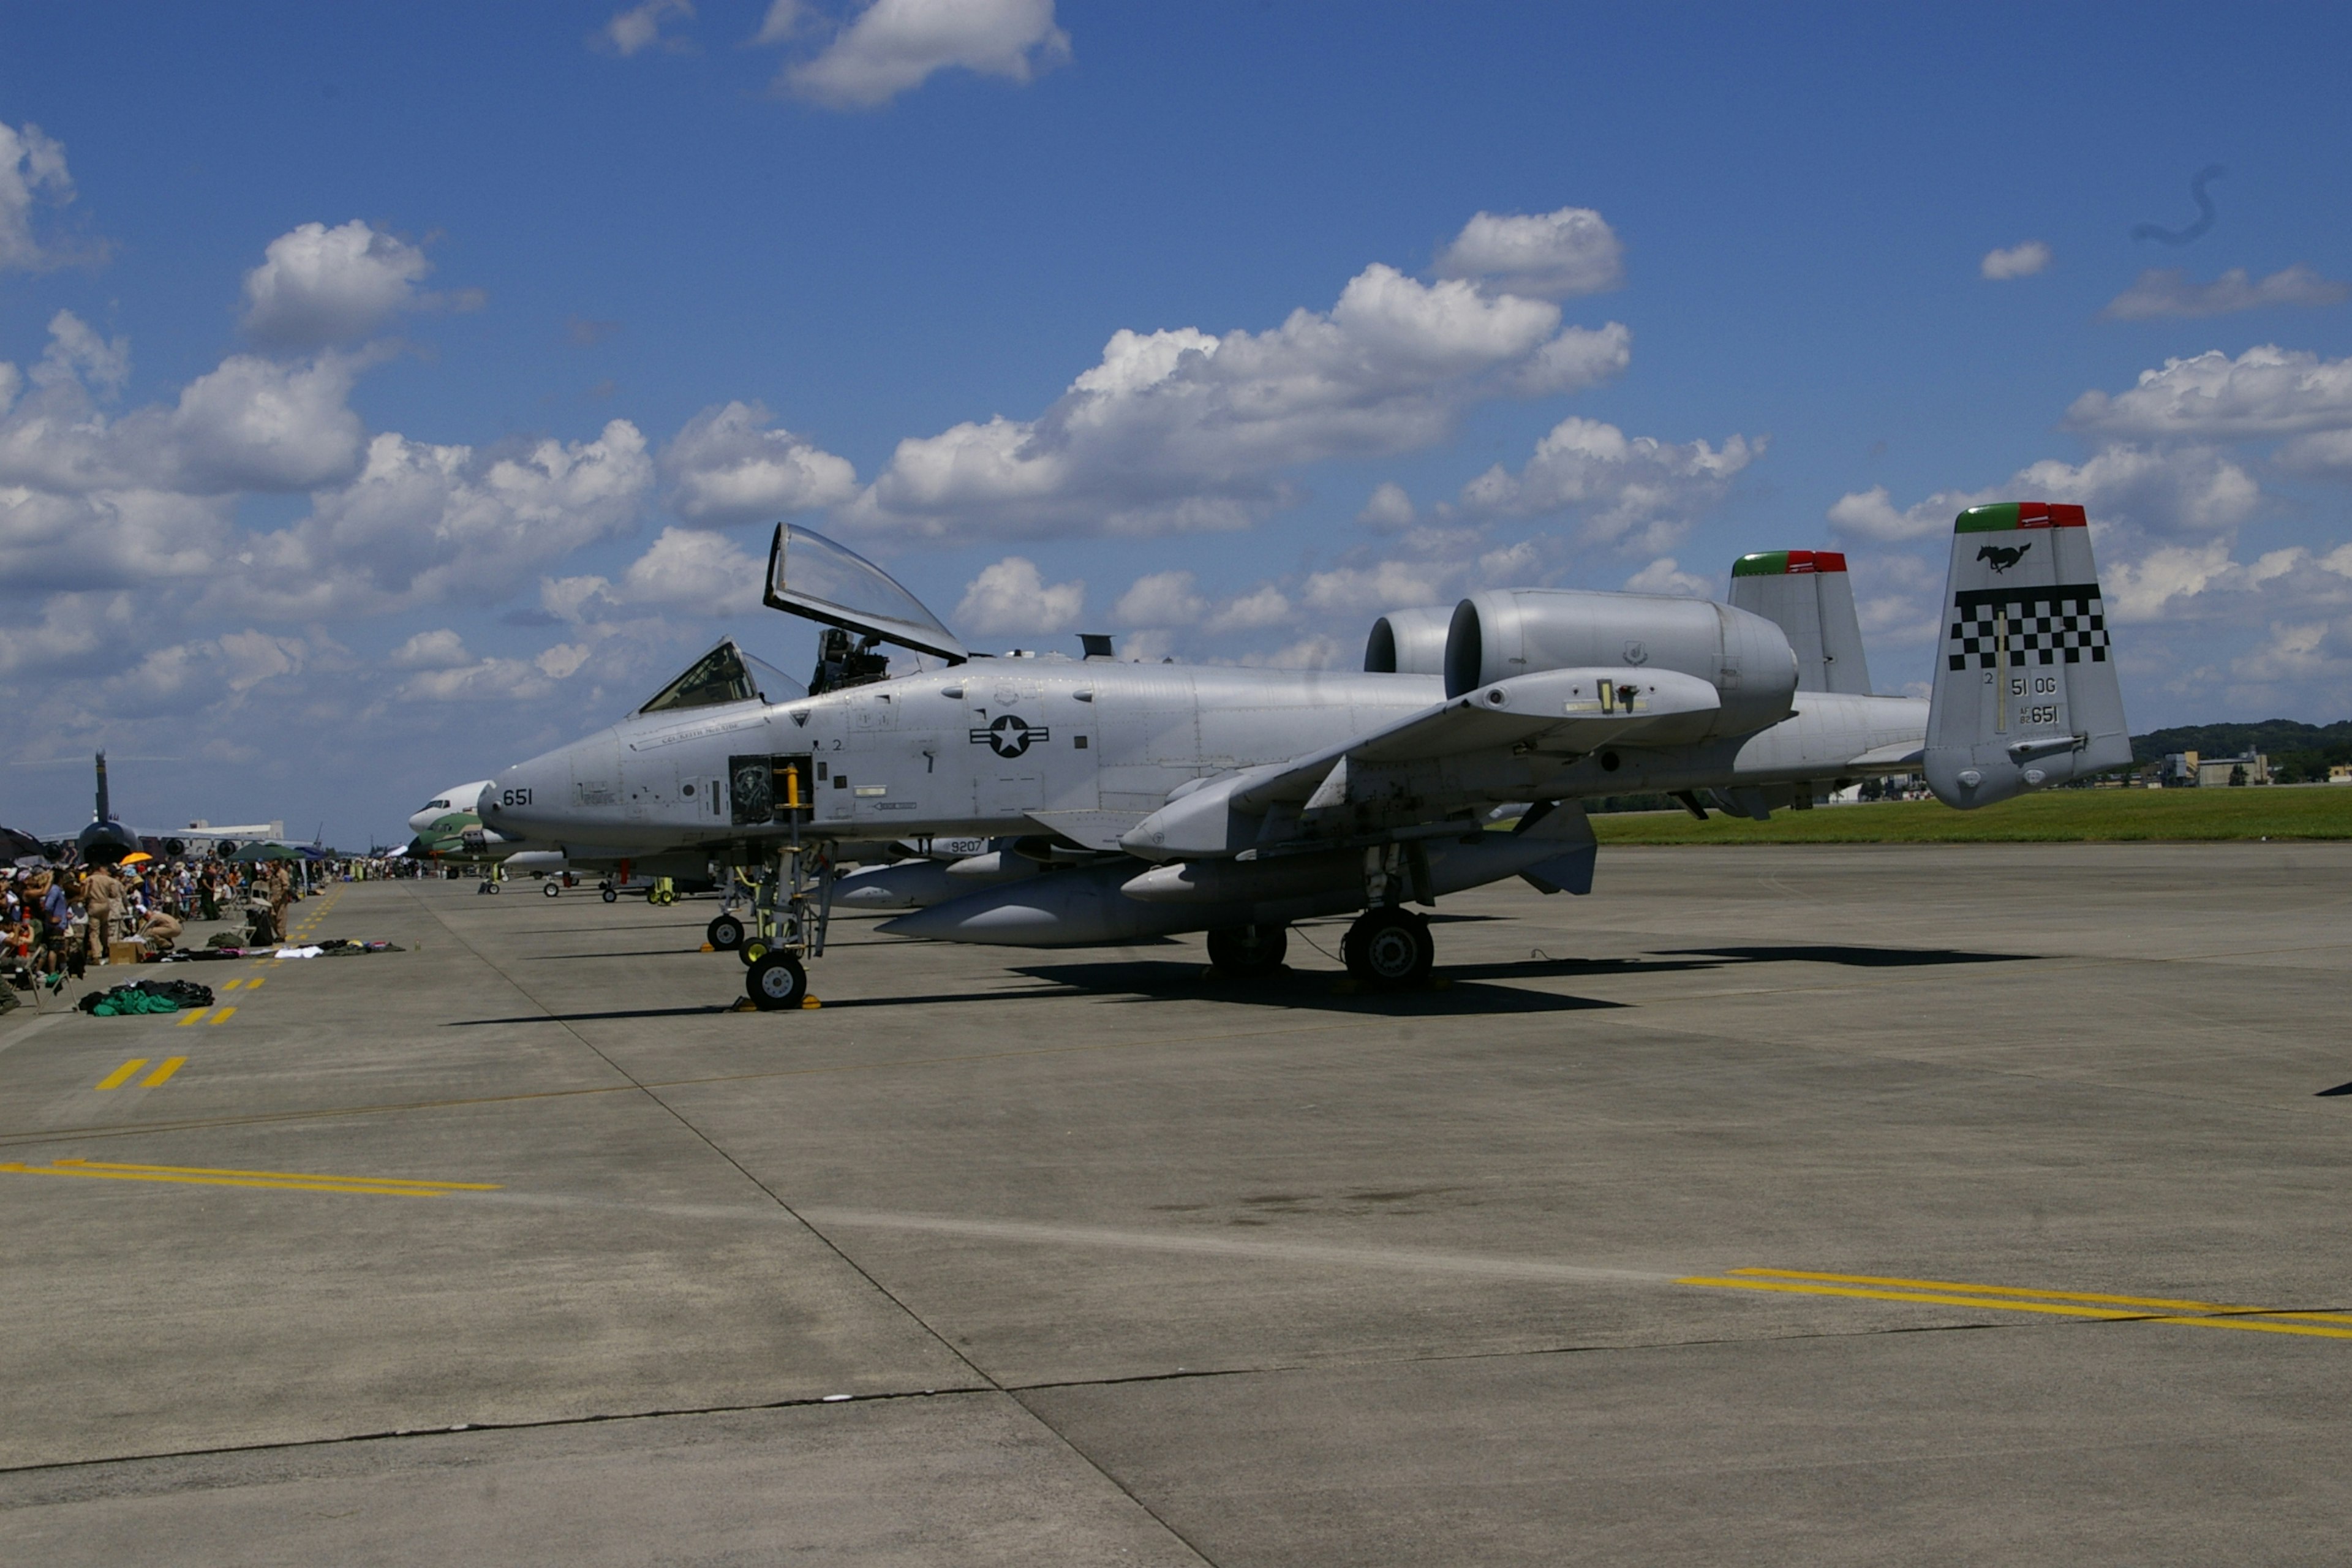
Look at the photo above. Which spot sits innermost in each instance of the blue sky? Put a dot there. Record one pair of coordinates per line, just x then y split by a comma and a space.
394, 392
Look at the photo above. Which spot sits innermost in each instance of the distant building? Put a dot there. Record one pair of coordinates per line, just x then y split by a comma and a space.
2188, 770
2340, 772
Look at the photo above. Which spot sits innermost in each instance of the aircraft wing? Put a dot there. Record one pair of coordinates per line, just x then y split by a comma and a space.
1565, 711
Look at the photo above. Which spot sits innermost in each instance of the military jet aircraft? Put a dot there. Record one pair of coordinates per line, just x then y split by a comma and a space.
106, 839
1123, 801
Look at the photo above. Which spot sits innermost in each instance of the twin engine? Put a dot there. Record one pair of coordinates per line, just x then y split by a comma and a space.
1507, 632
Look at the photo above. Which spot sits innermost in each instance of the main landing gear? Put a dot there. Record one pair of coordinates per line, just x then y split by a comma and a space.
1389, 949
725, 933
1248, 953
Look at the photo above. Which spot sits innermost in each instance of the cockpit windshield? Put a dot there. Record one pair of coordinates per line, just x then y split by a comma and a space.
810, 575
725, 674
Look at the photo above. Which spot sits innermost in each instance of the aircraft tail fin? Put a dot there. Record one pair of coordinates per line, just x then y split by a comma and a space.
2025, 694
105, 807
1808, 596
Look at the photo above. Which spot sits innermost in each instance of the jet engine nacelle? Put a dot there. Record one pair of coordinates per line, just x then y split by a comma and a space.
1408, 642
1507, 632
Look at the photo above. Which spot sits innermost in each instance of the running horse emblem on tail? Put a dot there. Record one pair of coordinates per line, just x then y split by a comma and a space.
2004, 556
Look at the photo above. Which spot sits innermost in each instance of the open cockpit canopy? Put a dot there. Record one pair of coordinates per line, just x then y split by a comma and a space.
725, 674
811, 576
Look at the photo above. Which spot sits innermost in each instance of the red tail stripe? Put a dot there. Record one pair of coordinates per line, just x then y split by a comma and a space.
2050, 514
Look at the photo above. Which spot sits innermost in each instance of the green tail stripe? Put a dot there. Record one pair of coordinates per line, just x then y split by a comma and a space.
1997, 518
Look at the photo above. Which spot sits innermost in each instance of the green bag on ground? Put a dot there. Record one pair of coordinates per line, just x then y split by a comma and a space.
127, 1000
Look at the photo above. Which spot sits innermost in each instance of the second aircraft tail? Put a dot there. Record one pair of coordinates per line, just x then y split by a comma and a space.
1808, 596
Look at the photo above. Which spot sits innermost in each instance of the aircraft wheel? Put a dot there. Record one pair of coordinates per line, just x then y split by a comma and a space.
553, 889
751, 952
1390, 949
725, 933
1249, 950
776, 982
611, 897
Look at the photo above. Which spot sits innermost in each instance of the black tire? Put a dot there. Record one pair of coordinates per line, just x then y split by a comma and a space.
1249, 952
776, 982
1390, 949
752, 949
611, 897
725, 933
553, 889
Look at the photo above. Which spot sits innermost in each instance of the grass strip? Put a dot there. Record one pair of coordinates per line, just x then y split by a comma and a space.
2085, 815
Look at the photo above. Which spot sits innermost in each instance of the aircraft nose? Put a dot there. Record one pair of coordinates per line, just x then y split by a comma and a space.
526, 793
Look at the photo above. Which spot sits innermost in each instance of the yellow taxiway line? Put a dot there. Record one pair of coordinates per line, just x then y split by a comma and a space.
287, 1181
162, 1074
2096, 1305
123, 1074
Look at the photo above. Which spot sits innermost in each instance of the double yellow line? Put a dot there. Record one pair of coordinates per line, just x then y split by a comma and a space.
130, 1069
2016, 1299
273, 1180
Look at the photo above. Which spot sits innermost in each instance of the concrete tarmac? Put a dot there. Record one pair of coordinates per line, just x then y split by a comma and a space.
1964, 1203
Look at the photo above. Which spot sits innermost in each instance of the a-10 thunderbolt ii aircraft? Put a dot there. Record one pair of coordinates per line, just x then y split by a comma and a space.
1124, 801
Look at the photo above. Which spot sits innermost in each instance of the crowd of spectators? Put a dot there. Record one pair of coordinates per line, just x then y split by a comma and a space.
57, 923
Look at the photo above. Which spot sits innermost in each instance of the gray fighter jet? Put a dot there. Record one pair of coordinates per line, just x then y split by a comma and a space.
1106, 802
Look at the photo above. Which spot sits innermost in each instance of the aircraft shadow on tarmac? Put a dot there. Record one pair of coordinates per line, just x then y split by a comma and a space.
1460, 991
1852, 957
1161, 980
639, 952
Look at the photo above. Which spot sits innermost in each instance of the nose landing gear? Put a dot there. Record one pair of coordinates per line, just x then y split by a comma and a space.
776, 980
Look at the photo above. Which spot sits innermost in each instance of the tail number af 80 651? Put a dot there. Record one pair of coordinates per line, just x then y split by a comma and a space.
514, 797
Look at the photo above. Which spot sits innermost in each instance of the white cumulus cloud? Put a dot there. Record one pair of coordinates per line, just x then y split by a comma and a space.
2167, 291
1635, 492
318, 284
1550, 256
2021, 261
640, 26
441, 649
896, 45
1178, 430
727, 465
2188, 489
1160, 599
1011, 596
1664, 575
1265, 605
425, 523
32, 169
249, 424
2267, 391
697, 571
1389, 510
